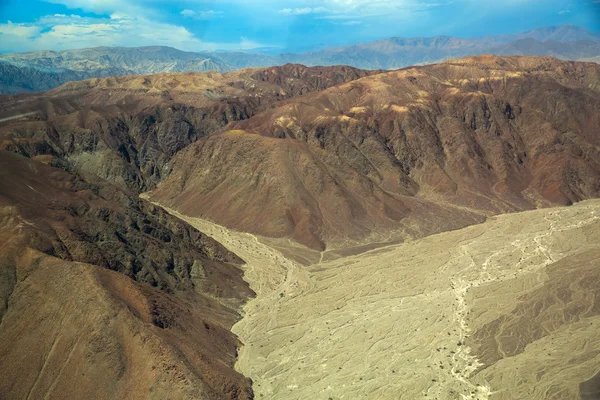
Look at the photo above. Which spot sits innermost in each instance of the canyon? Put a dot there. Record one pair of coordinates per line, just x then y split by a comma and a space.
293, 232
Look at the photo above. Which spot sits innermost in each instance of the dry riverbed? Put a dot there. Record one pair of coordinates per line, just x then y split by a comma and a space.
508, 309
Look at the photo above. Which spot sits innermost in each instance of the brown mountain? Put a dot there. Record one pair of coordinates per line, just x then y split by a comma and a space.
125, 129
100, 289
44, 70
103, 295
401, 154
106, 296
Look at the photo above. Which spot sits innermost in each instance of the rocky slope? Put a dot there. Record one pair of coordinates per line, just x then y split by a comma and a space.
126, 129
103, 295
401, 154
330, 157
22, 78
324, 157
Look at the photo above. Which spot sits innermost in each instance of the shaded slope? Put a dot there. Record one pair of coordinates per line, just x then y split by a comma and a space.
102, 294
107, 296
20, 78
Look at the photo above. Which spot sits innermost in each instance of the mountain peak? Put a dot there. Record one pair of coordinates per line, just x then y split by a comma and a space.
561, 33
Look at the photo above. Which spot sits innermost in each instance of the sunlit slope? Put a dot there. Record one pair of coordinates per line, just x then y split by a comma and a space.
503, 310
401, 154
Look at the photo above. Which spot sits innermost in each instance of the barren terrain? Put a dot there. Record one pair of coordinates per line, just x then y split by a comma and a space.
502, 310
400, 154
105, 296
341, 177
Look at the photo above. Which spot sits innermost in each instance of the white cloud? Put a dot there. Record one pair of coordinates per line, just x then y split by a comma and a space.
18, 30
303, 10
188, 13
67, 32
360, 9
202, 15
248, 44
103, 6
342, 9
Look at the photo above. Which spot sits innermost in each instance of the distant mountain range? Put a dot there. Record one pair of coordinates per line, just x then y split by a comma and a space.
43, 70
39, 71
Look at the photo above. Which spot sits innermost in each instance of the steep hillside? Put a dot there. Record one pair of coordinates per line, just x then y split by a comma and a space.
100, 289
21, 78
324, 157
103, 295
126, 129
401, 154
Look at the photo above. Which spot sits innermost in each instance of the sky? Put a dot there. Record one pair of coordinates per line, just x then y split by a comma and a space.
270, 25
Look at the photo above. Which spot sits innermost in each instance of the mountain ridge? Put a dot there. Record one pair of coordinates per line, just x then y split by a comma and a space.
453, 141
32, 71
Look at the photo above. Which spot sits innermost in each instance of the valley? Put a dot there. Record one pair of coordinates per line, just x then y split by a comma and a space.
413, 320
331, 233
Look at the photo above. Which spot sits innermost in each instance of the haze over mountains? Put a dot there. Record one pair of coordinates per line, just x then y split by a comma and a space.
33, 72
38, 71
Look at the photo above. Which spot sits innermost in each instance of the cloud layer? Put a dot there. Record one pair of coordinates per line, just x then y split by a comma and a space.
295, 25
61, 31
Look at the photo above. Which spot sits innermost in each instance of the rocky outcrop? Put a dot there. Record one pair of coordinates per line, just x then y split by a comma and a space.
330, 157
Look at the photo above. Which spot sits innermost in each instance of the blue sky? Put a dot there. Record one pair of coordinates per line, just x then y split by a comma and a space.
294, 25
